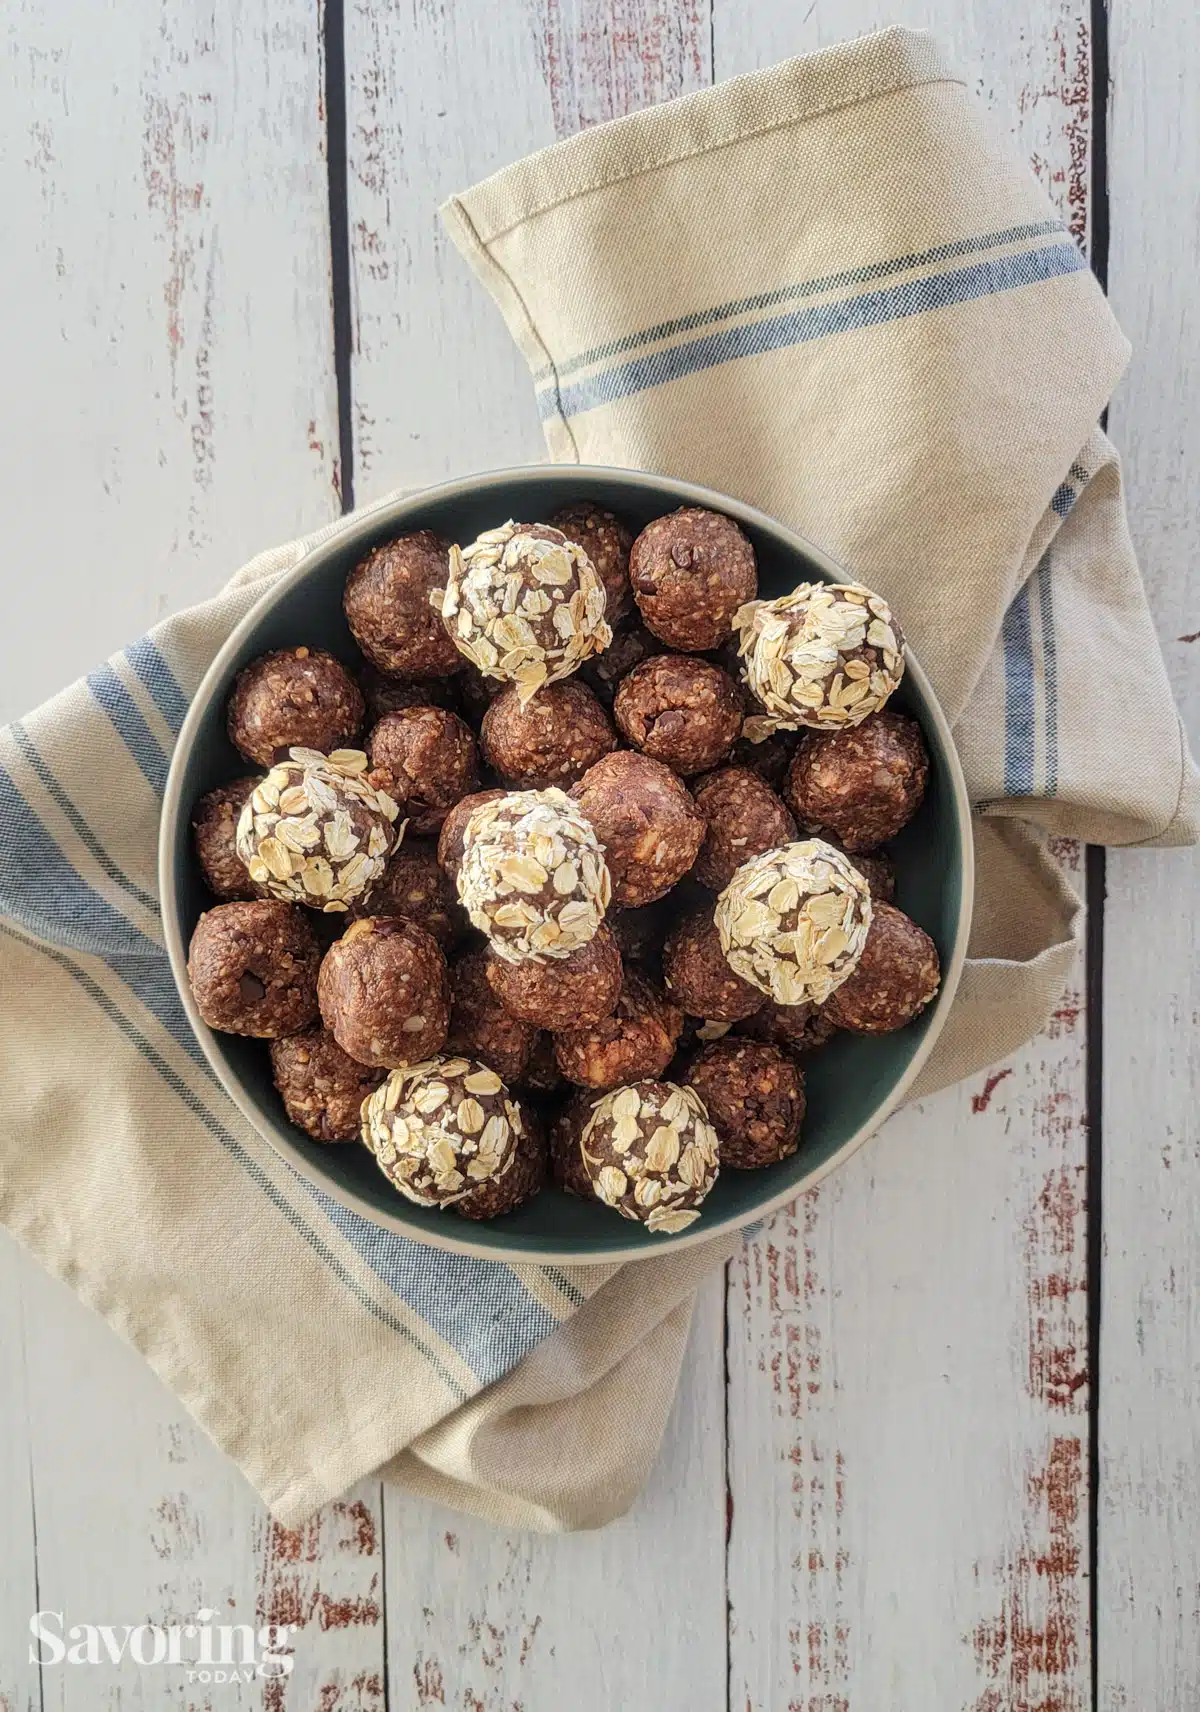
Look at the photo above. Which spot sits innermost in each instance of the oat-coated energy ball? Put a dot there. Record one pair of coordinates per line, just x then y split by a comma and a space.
321, 1086
862, 785
794, 921
524, 604
631, 645
698, 976
296, 697
646, 821
414, 885
638, 1040
389, 612
896, 977
606, 541
253, 969
797, 1028
577, 989
441, 1128
385, 993
754, 1096
550, 740
385, 694
566, 1158
744, 817
532, 876
426, 759
651, 1153
826, 656
214, 838
316, 832
680, 711
454, 830
525, 1177
480, 1027
690, 572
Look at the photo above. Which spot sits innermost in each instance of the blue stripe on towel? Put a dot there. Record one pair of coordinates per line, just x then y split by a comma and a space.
1017, 638
912, 297
1043, 581
160, 680
110, 694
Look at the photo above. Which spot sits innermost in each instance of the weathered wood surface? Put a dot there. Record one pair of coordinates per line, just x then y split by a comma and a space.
1149, 1591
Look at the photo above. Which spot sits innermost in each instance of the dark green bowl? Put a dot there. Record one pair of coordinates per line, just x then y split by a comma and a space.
852, 1085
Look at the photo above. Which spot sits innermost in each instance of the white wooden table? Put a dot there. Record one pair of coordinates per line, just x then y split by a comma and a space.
936, 1446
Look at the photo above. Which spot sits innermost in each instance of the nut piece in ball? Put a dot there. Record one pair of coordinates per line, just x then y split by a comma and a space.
631, 645
414, 885
480, 1027
316, 832
794, 921
651, 1153
426, 759
388, 607
321, 1086
525, 1177
296, 697
744, 817
253, 969
577, 989
524, 604
754, 1096
550, 740
682, 712
690, 572
441, 1128
566, 1132
214, 838
896, 977
637, 1041
646, 821
533, 876
698, 975
827, 655
862, 785
606, 541
385, 993
454, 830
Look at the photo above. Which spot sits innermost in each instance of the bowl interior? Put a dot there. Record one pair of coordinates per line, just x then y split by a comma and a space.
850, 1082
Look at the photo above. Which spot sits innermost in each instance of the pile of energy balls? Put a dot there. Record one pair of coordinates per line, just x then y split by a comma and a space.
604, 869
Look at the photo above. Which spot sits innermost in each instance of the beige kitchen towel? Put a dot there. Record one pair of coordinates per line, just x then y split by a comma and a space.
832, 291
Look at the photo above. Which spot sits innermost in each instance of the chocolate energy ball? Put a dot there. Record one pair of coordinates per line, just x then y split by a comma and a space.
550, 740
214, 838
769, 759
797, 1028
524, 604
253, 969
385, 993
699, 978
754, 1096
385, 694
542, 1075
860, 785
533, 876
321, 1086
879, 871
646, 821
425, 758
606, 541
389, 611
682, 712
441, 1128
651, 1153
637, 1040
316, 832
476, 692
295, 697
631, 645
690, 572
577, 989
826, 656
794, 921
639, 933
744, 817
566, 1158
524, 1179
414, 885
480, 1027
452, 837
896, 977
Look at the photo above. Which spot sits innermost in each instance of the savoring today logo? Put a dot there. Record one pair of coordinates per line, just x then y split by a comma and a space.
208, 1652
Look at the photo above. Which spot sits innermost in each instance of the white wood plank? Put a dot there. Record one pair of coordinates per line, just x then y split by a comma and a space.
907, 1351
630, 1617
19, 1687
1149, 1583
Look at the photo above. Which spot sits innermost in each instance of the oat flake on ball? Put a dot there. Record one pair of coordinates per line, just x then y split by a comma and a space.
651, 1153
441, 1128
824, 656
524, 604
533, 875
794, 921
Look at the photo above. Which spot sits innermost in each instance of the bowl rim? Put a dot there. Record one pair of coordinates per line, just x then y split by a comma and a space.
391, 511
